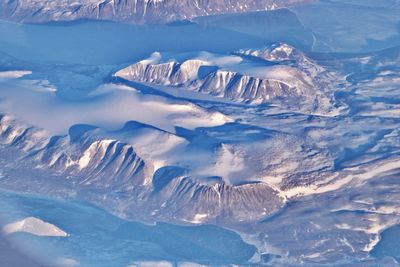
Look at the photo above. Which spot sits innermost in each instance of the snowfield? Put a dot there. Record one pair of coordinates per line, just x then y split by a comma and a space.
146, 143
34, 226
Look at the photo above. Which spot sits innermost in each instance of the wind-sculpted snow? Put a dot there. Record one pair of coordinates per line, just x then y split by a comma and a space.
91, 161
235, 175
278, 74
296, 150
211, 161
41, 96
34, 226
215, 161
138, 11
276, 53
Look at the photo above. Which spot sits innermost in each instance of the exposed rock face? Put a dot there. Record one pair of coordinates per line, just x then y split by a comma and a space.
278, 52
137, 11
237, 86
276, 74
85, 161
86, 156
284, 53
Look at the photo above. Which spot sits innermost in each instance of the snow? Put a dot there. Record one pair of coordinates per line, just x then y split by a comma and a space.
190, 264
153, 59
374, 229
228, 164
151, 264
65, 262
320, 143
278, 52
138, 11
4, 75
106, 112
391, 113
240, 79
34, 226
93, 149
198, 218
358, 174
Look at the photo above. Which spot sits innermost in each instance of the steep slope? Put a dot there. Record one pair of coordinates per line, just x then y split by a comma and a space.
84, 155
138, 11
282, 52
277, 74
88, 162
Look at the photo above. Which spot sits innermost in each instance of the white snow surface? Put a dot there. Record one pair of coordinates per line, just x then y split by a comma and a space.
116, 105
301, 86
34, 226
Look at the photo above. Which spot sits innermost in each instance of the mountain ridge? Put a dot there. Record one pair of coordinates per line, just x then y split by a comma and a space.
135, 11
278, 74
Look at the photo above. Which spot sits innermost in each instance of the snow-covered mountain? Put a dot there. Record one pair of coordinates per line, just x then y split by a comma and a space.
298, 152
138, 11
92, 162
276, 74
203, 158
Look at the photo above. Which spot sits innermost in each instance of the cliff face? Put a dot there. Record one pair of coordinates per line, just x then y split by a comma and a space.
136, 11
85, 159
278, 74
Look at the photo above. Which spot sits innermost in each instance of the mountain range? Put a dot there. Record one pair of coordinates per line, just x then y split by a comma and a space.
136, 11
